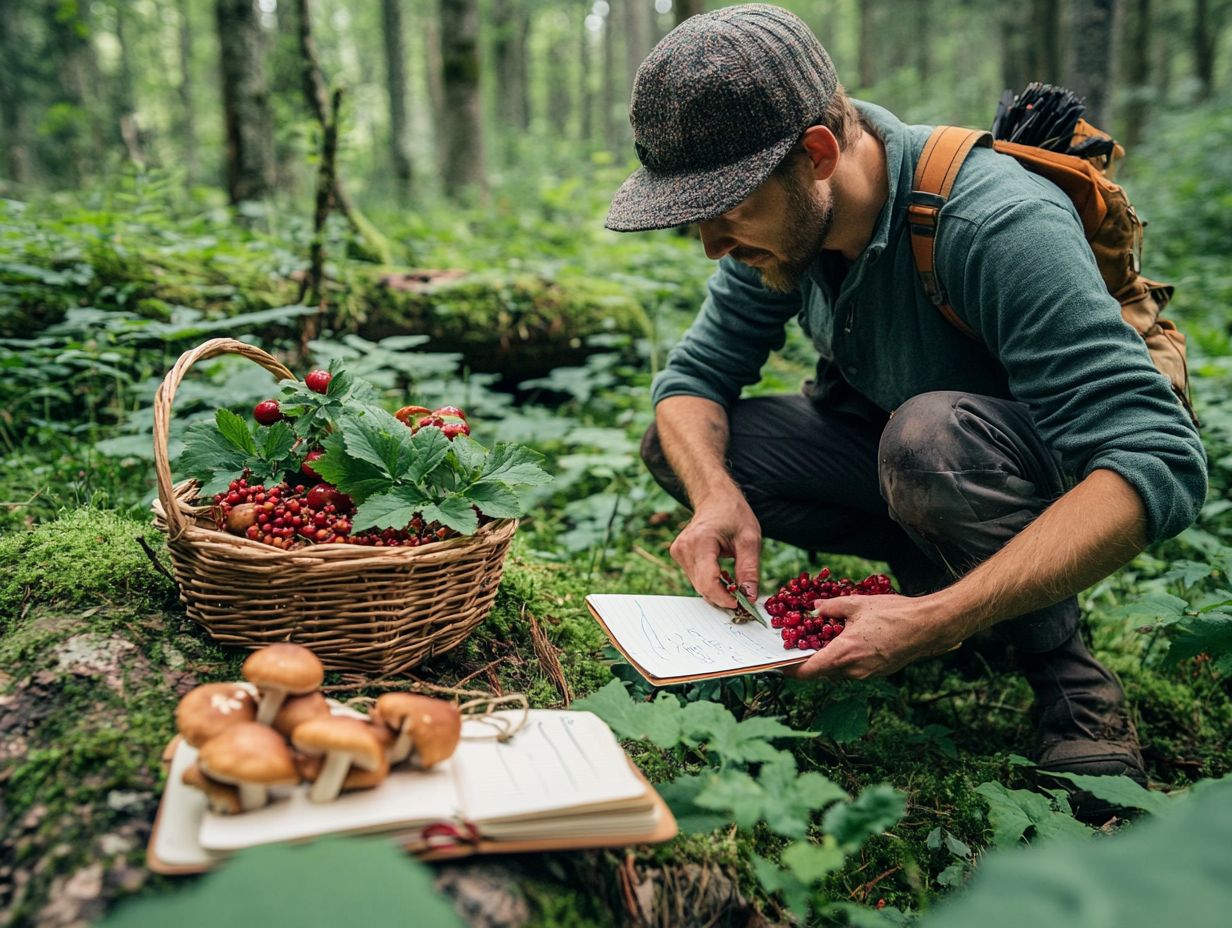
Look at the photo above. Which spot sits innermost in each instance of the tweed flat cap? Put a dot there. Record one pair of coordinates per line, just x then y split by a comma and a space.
716, 106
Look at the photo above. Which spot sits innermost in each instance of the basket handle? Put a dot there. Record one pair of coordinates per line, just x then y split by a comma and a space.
162, 412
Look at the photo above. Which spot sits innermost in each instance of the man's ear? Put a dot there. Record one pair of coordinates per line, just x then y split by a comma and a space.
822, 148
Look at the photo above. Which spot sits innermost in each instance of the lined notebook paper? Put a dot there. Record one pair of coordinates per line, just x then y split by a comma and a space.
674, 638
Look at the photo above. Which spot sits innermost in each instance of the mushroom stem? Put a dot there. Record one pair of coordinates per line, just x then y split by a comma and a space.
401, 749
251, 797
271, 701
329, 782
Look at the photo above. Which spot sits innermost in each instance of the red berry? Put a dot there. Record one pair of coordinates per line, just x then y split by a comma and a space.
318, 381
453, 411
452, 430
306, 469
319, 496
267, 412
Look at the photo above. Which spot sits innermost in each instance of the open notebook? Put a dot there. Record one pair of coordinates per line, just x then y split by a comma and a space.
563, 781
675, 639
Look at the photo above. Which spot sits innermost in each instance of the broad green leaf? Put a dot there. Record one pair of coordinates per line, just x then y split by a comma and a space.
469, 454
495, 500
796, 893
680, 794
235, 431
660, 721
454, 512
515, 465
358, 479
843, 720
1155, 608
387, 510
811, 862
953, 874
431, 449
327, 882
1121, 791
276, 443
779, 796
873, 811
1209, 633
737, 742
1173, 870
386, 448
1019, 813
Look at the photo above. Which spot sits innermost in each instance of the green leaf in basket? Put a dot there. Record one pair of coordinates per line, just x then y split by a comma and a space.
469, 455
389, 510
276, 443
515, 465
431, 449
453, 511
235, 431
386, 445
495, 500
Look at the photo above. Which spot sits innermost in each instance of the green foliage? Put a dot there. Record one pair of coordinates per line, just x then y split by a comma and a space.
286, 886
1018, 814
1170, 871
219, 453
86, 557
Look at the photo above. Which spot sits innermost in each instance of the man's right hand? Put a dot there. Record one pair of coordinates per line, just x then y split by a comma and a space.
722, 526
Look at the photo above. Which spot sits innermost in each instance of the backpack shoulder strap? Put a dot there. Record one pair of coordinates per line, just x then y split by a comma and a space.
935, 172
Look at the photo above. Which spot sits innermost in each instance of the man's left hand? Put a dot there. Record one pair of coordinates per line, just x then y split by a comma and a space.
882, 634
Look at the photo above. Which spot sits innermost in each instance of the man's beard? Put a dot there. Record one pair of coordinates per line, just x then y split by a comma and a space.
806, 224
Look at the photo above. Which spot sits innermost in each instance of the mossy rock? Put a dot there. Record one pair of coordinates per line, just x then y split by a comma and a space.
520, 325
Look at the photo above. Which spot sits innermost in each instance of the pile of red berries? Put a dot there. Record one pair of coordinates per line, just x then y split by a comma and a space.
289, 516
791, 608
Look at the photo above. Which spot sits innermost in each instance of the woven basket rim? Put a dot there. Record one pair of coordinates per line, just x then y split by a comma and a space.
193, 513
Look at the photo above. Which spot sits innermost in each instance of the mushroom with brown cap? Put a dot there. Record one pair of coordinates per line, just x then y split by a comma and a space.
427, 729
282, 670
310, 766
252, 757
344, 743
209, 709
222, 798
297, 710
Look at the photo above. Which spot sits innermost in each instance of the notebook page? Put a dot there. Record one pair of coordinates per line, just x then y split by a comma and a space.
407, 797
560, 761
675, 636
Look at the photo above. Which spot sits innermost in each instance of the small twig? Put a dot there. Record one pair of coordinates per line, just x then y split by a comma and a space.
656, 560
868, 887
482, 670
149, 552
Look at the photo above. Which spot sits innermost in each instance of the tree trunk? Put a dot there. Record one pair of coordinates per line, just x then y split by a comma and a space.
612, 83
463, 123
1205, 34
246, 102
586, 93
561, 82
76, 141
188, 114
14, 68
638, 31
510, 29
866, 67
1091, 58
1045, 52
683, 9
395, 87
126, 96
1138, 72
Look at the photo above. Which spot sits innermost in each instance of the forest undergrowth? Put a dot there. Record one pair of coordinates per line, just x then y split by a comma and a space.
828, 803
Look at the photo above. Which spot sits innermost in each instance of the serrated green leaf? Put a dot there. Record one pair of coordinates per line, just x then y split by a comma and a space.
872, 812
455, 512
358, 479
660, 721
779, 796
387, 510
680, 794
738, 742
1018, 813
810, 862
515, 465
386, 448
844, 720
1209, 633
234, 431
1120, 791
1158, 608
495, 500
469, 454
277, 441
773, 879
431, 448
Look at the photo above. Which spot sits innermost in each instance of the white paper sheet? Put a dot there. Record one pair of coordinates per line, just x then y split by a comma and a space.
560, 760
677, 636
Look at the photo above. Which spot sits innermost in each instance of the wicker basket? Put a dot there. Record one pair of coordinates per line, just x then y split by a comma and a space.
372, 610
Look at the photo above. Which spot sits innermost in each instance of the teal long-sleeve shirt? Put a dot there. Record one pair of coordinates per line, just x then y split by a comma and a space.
1013, 262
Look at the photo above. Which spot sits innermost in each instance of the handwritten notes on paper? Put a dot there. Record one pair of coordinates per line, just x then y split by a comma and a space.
679, 636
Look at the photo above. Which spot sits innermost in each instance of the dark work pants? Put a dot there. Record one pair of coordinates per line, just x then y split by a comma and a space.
934, 491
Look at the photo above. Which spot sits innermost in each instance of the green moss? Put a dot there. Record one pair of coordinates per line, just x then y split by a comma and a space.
86, 557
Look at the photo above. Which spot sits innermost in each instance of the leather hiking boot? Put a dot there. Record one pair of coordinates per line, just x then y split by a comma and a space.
1083, 726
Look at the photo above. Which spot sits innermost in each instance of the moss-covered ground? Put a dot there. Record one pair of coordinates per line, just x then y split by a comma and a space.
96, 650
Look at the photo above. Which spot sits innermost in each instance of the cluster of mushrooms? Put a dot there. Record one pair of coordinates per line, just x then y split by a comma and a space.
286, 734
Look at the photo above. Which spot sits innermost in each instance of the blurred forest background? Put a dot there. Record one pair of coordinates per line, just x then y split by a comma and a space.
461, 96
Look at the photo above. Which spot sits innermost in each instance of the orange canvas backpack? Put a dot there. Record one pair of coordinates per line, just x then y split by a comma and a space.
1112, 229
